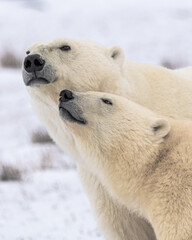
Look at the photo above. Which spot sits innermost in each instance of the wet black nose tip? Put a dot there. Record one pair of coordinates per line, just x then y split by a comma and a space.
33, 63
66, 95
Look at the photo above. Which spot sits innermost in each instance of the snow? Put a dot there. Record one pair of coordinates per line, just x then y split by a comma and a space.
49, 202
148, 30
47, 205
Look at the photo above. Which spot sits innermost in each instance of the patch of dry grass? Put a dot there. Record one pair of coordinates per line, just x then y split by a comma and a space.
10, 60
41, 136
173, 64
9, 173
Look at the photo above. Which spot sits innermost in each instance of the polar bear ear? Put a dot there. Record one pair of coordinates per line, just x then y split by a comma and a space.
117, 54
160, 128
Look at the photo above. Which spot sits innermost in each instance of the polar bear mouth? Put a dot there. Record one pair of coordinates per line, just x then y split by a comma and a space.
37, 82
39, 78
70, 116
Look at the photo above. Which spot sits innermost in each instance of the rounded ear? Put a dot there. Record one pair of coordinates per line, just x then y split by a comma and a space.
160, 128
117, 54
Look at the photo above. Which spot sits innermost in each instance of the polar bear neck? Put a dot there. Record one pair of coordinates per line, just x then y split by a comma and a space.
129, 178
122, 162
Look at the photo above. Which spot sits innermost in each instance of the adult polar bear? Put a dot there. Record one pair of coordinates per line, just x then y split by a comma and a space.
82, 65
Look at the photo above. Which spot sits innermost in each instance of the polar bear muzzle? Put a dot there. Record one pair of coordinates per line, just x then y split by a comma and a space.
68, 109
36, 72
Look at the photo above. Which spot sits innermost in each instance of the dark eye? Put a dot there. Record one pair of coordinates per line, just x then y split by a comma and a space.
107, 101
65, 48
27, 52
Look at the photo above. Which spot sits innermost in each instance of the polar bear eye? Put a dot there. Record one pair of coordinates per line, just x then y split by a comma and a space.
27, 52
107, 101
65, 48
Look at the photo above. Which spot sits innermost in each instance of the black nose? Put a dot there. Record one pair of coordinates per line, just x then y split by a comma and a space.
66, 95
33, 63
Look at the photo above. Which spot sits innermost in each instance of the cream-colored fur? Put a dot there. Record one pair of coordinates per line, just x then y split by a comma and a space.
143, 165
90, 66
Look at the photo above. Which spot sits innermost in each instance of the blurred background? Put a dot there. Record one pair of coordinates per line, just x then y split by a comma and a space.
40, 194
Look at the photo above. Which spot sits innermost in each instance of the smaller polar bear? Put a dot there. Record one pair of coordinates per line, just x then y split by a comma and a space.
143, 161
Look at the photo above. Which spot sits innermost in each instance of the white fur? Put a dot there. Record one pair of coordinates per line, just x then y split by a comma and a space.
90, 66
142, 161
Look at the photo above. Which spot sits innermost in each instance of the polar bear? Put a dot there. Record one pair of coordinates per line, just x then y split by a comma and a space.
82, 65
143, 161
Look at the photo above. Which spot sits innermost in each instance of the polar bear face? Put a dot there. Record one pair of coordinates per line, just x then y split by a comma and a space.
74, 64
109, 124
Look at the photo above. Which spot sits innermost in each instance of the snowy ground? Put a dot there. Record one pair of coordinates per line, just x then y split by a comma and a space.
48, 203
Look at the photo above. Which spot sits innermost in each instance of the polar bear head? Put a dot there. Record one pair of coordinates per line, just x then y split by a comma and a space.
80, 65
110, 126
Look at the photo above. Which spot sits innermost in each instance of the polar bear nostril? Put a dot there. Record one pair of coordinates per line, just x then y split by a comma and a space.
27, 64
38, 62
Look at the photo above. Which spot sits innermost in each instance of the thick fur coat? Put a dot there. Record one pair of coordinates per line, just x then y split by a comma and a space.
143, 161
86, 66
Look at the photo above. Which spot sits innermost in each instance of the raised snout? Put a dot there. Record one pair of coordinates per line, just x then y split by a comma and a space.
65, 100
33, 63
69, 109
36, 71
